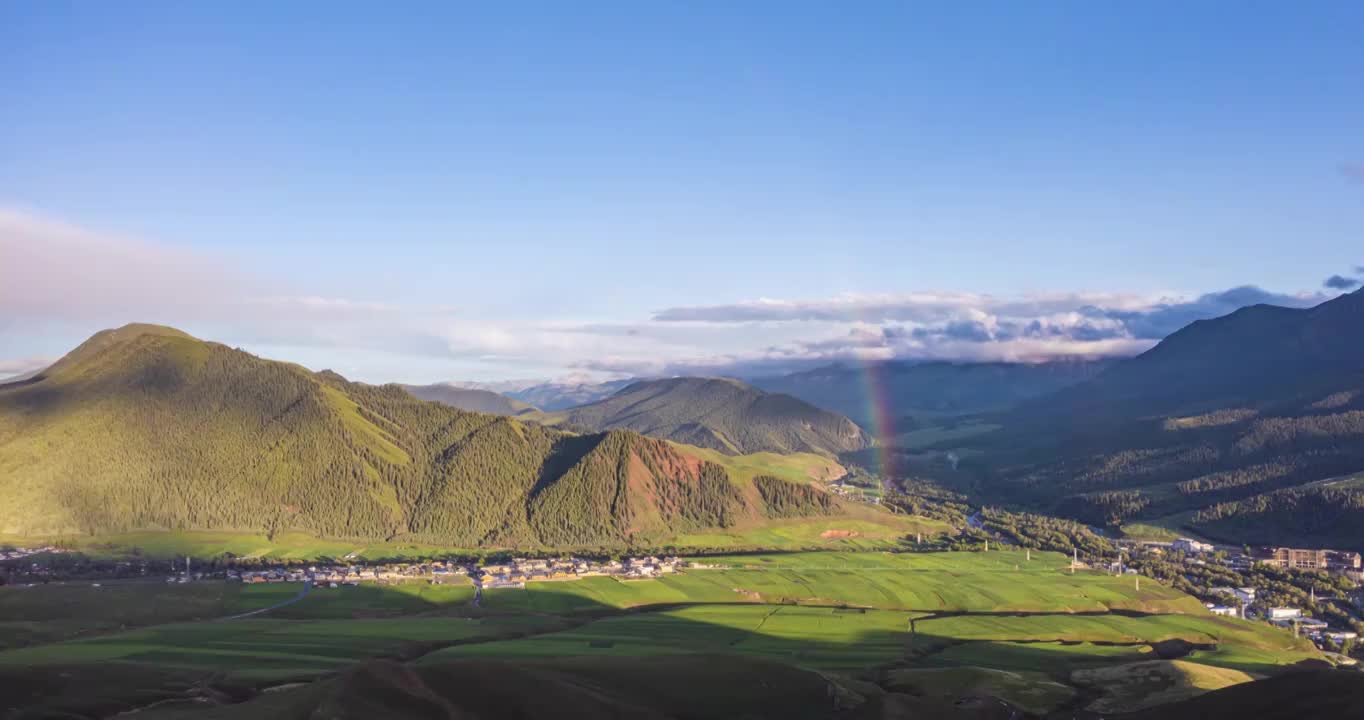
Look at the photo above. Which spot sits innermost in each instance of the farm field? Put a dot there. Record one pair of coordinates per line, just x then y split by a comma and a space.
947, 623
934, 582
860, 529
272, 648
361, 601
823, 638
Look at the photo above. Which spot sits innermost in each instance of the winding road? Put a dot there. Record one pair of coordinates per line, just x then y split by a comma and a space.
307, 587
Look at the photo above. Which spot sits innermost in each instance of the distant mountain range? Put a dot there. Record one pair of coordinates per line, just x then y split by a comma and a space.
146, 427
1233, 427
929, 388
484, 401
551, 396
717, 413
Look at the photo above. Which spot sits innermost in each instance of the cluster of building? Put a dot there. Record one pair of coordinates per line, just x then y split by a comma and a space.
1343, 562
1237, 600
18, 553
513, 573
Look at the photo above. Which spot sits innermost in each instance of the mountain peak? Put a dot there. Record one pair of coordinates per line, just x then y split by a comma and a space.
719, 413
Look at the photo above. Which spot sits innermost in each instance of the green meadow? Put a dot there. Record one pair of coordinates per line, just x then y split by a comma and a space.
823, 638
930, 624
271, 648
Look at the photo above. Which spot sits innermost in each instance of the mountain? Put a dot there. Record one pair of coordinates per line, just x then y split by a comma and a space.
1233, 427
553, 396
1256, 354
473, 400
720, 414
146, 427
931, 388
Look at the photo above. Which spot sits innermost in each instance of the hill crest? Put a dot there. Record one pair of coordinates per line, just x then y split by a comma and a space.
718, 413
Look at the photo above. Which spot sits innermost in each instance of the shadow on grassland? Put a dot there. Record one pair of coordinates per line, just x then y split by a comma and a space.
744, 660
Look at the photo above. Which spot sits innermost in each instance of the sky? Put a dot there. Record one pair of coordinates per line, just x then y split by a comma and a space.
451, 191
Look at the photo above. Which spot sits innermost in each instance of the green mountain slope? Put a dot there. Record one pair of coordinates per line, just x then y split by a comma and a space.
1225, 427
484, 401
720, 414
147, 427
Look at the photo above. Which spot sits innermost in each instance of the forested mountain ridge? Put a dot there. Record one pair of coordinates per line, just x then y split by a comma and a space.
929, 388
720, 414
147, 427
473, 400
1228, 424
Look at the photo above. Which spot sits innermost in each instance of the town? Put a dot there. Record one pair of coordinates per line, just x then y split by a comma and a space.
1315, 593
1312, 592
513, 573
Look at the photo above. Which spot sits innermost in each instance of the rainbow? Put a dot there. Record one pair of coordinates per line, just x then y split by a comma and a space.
880, 415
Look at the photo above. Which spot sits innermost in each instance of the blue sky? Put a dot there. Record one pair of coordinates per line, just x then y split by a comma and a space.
448, 191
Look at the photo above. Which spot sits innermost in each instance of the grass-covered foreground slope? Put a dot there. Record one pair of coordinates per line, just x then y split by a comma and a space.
845, 634
720, 414
145, 427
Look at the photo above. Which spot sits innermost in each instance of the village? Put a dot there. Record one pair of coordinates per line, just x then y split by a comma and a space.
1200, 568
514, 573
1203, 561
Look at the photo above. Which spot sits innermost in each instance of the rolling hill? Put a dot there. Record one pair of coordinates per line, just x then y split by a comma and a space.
484, 401
146, 427
720, 414
1226, 428
929, 389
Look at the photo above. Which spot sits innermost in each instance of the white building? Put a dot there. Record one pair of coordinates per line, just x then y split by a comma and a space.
1189, 545
1245, 595
1223, 610
1284, 613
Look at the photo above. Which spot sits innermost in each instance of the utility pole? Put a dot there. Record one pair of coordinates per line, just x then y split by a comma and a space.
987, 546
1029, 552
1137, 578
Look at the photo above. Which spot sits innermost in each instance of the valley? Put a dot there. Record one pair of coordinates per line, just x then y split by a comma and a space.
870, 624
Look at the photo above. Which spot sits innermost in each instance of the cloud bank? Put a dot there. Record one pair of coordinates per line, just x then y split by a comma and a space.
1340, 282
61, 280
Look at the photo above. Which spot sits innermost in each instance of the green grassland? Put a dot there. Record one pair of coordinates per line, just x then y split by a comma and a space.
1054, 659
45, 613
1238, 644
362, 601
859, 528
823, 638
927, 582
793, 467
272, 648
930, 627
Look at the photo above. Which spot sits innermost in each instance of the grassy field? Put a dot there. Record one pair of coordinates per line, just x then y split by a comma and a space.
816, 637
363, 601
45, 613
937, 626
1052, 658
930, 582
862, 528
272, 648
1241, 645
793, 467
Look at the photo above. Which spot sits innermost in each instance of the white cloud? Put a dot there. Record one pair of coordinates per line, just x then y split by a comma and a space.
55, 274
